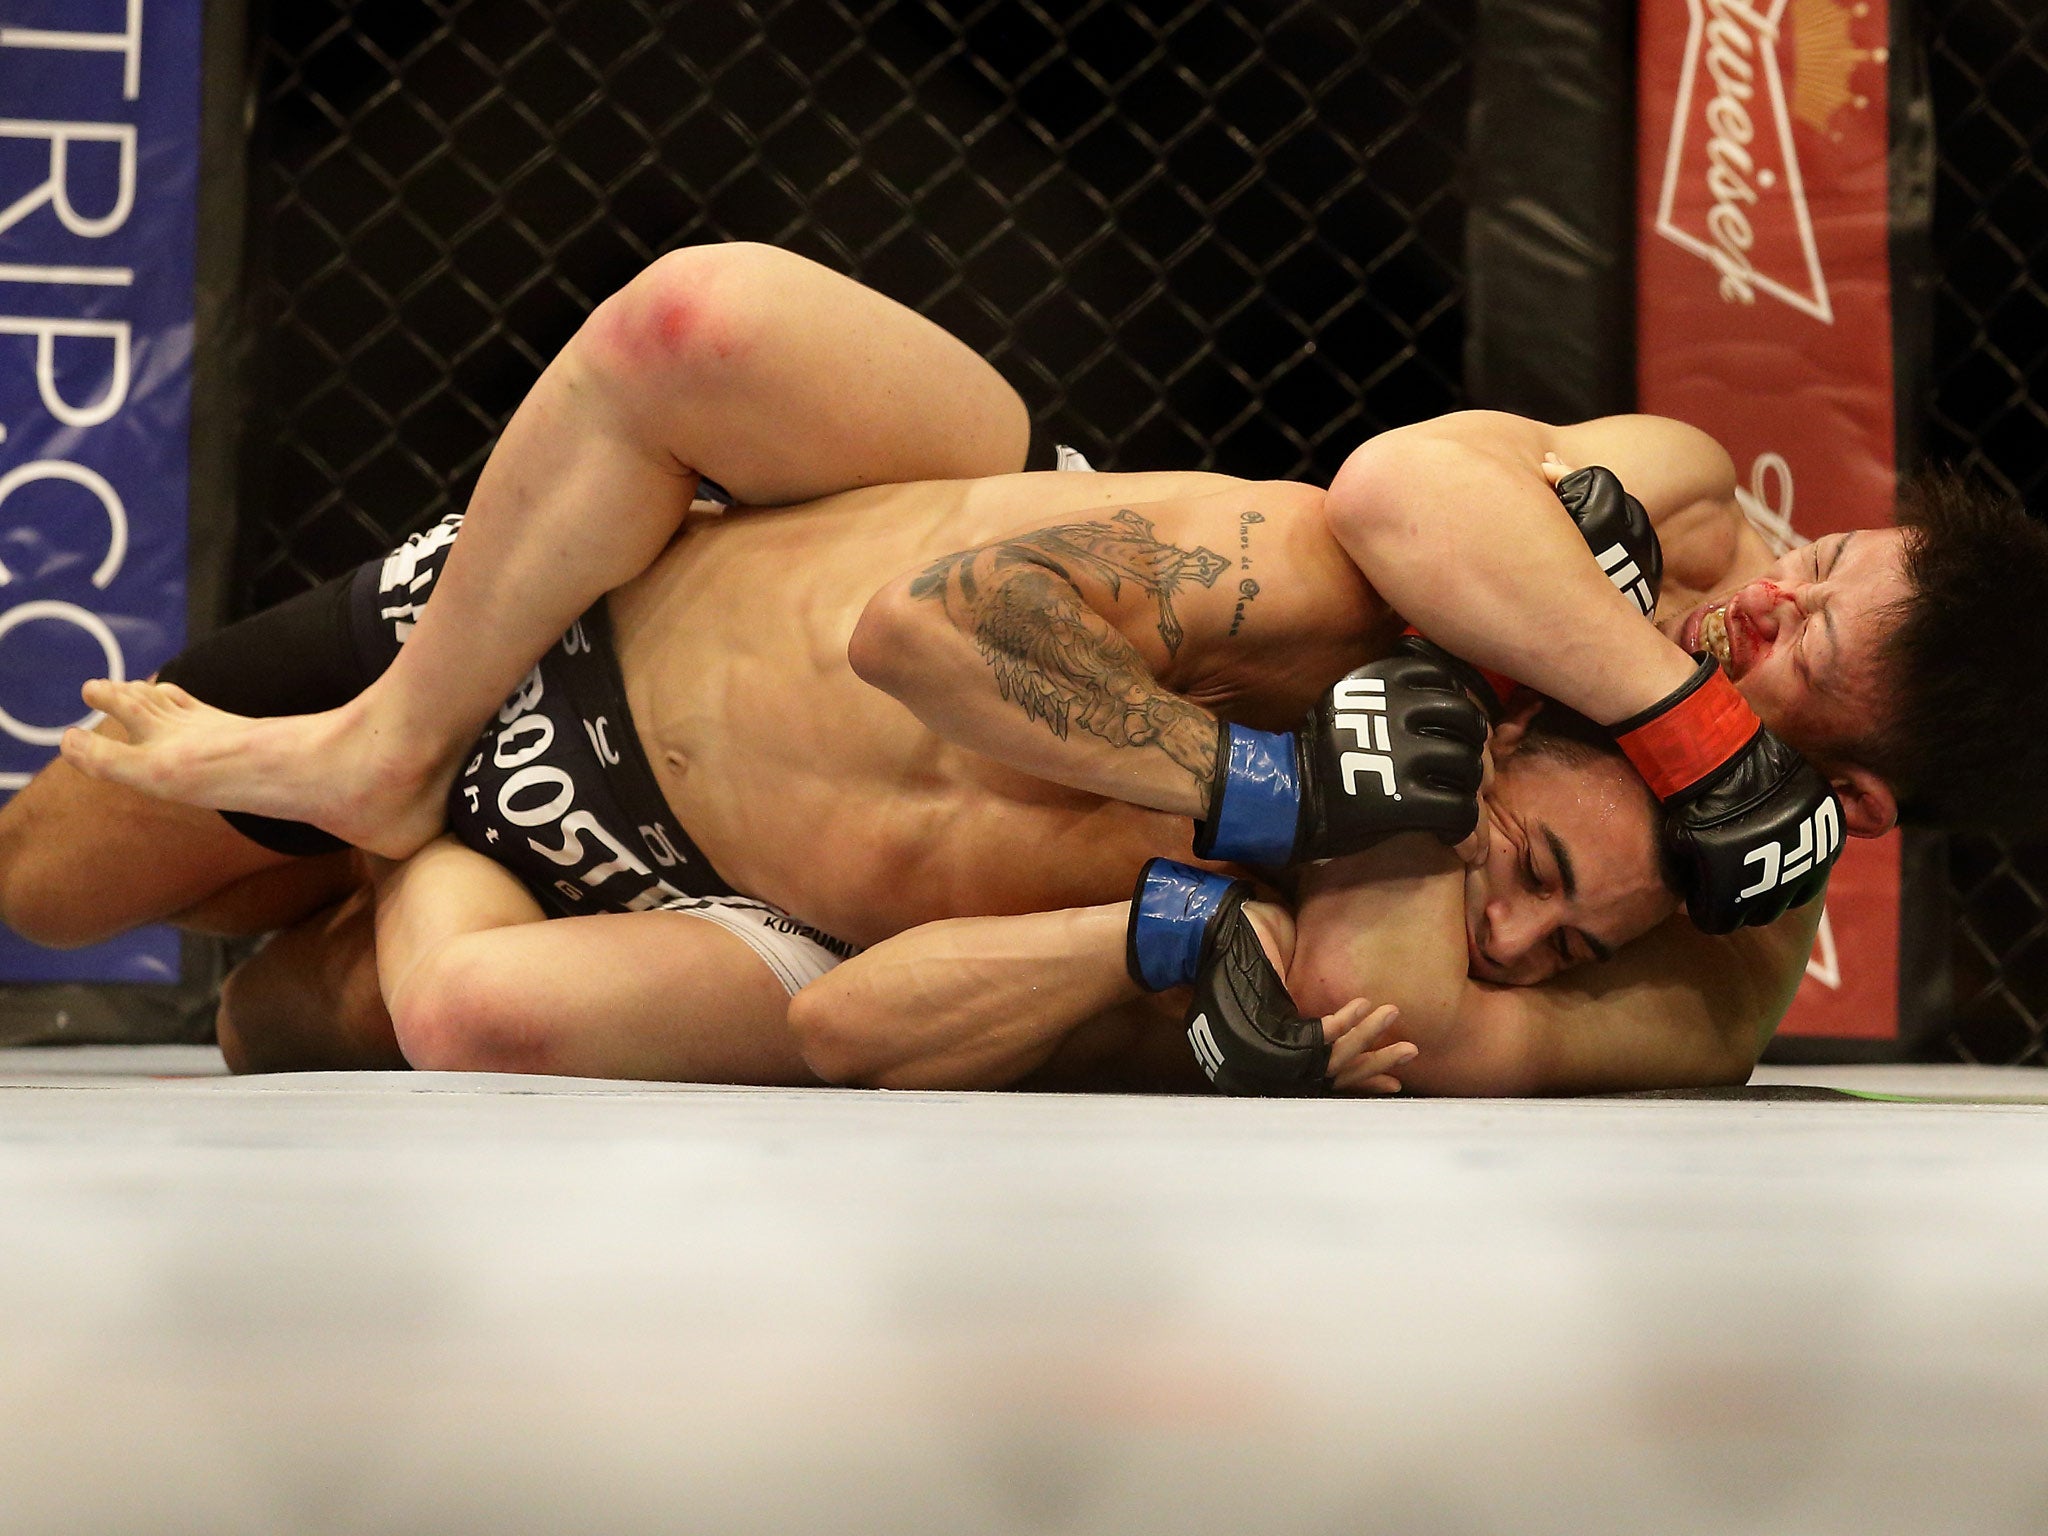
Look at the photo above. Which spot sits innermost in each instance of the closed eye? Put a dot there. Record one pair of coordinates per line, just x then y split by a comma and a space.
1835, 559
1594, 950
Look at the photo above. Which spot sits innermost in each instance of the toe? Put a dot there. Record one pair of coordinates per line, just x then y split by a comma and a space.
121, 702
85, 751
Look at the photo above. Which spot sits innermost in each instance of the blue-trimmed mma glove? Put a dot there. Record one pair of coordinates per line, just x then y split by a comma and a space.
1618, 531
1188, 928
1395, 747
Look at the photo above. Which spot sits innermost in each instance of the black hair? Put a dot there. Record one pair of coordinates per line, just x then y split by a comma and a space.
1565, 736
1966, 661
1560, 732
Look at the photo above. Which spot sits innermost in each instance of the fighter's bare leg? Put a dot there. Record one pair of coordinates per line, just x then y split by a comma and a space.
308, 1001
477, 981
82, 860
777, 377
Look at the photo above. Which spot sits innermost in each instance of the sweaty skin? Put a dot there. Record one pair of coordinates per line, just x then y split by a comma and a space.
1677, 1006
1674, 1007
986, 998
812, 790
735, 360
1716, 999
808, 788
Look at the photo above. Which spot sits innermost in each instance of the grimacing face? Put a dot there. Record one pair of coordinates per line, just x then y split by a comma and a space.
1569, 869
1802, 641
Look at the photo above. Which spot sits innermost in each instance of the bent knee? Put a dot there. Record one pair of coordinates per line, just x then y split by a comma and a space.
698, 310
457, 1014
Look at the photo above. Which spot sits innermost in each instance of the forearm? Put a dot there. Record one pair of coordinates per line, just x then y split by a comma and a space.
1014, 665
1387, 924
968, 1003
1454, 523
1676, 1009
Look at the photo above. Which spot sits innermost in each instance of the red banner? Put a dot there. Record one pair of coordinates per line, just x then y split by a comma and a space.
1764, 317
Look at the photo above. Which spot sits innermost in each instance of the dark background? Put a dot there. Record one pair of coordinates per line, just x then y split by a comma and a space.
1192, 235
1204, 235
1988, 411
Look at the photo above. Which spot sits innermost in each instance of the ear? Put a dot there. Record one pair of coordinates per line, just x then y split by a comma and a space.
1869, 808
1506, 739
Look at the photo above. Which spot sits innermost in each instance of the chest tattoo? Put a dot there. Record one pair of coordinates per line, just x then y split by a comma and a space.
1248, 586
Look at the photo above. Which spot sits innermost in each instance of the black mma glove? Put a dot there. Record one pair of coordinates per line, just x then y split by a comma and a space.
1618, 531
1394, 747
1188, 927
1752, 827
1488, 689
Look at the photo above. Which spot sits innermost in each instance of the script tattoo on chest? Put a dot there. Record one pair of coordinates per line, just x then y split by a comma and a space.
1060, 661
1248, 588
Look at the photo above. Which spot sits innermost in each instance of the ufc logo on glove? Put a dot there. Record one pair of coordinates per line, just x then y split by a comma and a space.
1404, 724
1368, 730
1819, 836
1207, 1052
1628, 578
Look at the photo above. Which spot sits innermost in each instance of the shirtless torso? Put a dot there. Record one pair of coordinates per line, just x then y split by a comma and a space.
585, 489
807, 787
811, 789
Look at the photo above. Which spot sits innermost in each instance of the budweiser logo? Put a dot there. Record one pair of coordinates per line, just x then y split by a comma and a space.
1733, 193
1767, 503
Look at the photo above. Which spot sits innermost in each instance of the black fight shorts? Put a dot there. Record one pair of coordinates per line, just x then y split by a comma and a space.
557, 789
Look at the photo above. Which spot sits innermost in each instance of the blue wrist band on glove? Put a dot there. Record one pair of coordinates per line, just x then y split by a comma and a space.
1170, 911
1260, 807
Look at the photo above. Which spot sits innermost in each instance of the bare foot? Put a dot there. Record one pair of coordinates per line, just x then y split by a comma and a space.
330, 769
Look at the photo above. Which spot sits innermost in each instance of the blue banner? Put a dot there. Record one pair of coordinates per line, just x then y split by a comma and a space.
99, 175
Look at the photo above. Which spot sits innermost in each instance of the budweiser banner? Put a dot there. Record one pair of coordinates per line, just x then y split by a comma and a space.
1764, 317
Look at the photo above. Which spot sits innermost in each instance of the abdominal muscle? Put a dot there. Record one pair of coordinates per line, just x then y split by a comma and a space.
808, 788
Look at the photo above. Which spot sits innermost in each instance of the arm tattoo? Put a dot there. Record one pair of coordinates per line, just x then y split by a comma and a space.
1063, 664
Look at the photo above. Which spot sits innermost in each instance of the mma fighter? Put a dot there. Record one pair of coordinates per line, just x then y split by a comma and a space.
1806, 638
776, 766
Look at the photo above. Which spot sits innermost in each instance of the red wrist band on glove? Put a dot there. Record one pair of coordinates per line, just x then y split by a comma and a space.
1692, 738
1502, 685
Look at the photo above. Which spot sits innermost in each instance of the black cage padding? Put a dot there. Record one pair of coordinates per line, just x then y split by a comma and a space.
1550, 246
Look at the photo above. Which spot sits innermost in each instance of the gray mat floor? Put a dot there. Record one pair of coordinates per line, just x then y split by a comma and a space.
445, 1304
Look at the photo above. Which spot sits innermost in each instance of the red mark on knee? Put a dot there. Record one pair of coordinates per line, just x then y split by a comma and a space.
674, 320
682, 330
672, 323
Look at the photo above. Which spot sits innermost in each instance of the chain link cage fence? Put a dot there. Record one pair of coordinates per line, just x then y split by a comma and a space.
1192, 234
1203, 234
1988, 69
